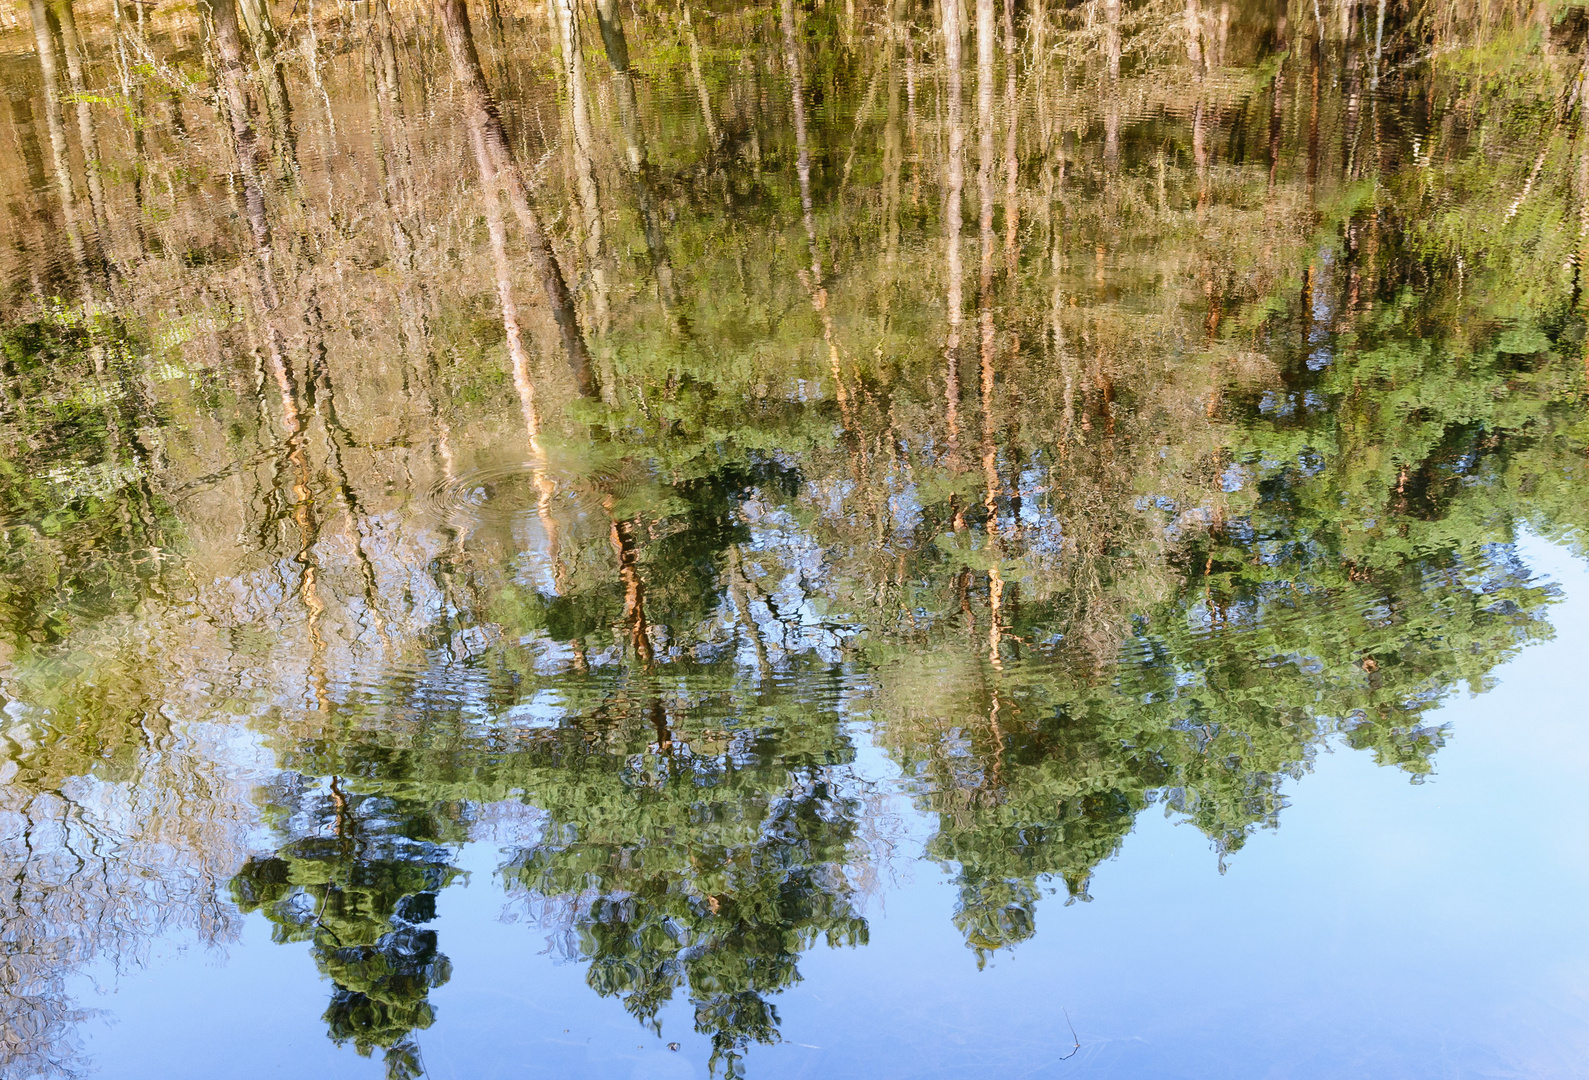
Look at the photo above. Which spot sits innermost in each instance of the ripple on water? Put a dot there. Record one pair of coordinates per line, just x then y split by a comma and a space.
495, 494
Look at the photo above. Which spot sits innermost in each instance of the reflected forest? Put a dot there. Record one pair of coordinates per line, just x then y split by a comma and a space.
599, 428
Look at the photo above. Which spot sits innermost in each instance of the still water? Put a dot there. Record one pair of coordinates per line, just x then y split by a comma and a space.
870, 539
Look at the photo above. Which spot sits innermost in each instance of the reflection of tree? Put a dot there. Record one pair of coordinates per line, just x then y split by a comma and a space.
86, 780
1356, 567
498, 166
360, 889
684, 868
84, 527
1268, 376
1208, 719
696, 837
116, 827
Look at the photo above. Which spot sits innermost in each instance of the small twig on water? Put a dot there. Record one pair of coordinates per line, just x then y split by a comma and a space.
1073, 1037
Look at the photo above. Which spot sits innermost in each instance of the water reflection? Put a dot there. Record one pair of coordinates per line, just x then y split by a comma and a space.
359, 885
622, 415
695, 843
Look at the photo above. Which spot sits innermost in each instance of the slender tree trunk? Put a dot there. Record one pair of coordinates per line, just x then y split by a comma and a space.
954, 184
395, 169
1583, 214
893, 143
988, 330
132, 92
1352, 120
394, 119
502, 267
712, 134
232, 78
812, 279
88, 136
485, 123
584, 143
303, 513
338, 437
1067, 367
308, 523
912, 129
791, 47
1379, 45
1276, 124
55, 123
1038, 24
487, 165
319, 83
617, 49
1313, 119
1111, 120
1012, 164
273, 79
388, 180
737, 590
35, 233
636, 627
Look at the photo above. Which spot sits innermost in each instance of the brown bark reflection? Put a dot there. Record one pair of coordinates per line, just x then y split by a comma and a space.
637, 629
55, 122
1012, 161
485, 127
583, 145
233, 79
637, 160
1111, 88
954, 186
812, 279
985, 315
87, 133
34, 234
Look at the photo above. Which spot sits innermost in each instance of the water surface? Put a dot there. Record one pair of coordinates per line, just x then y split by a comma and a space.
792, 540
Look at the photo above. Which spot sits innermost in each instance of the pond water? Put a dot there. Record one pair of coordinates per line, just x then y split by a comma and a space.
866, 539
